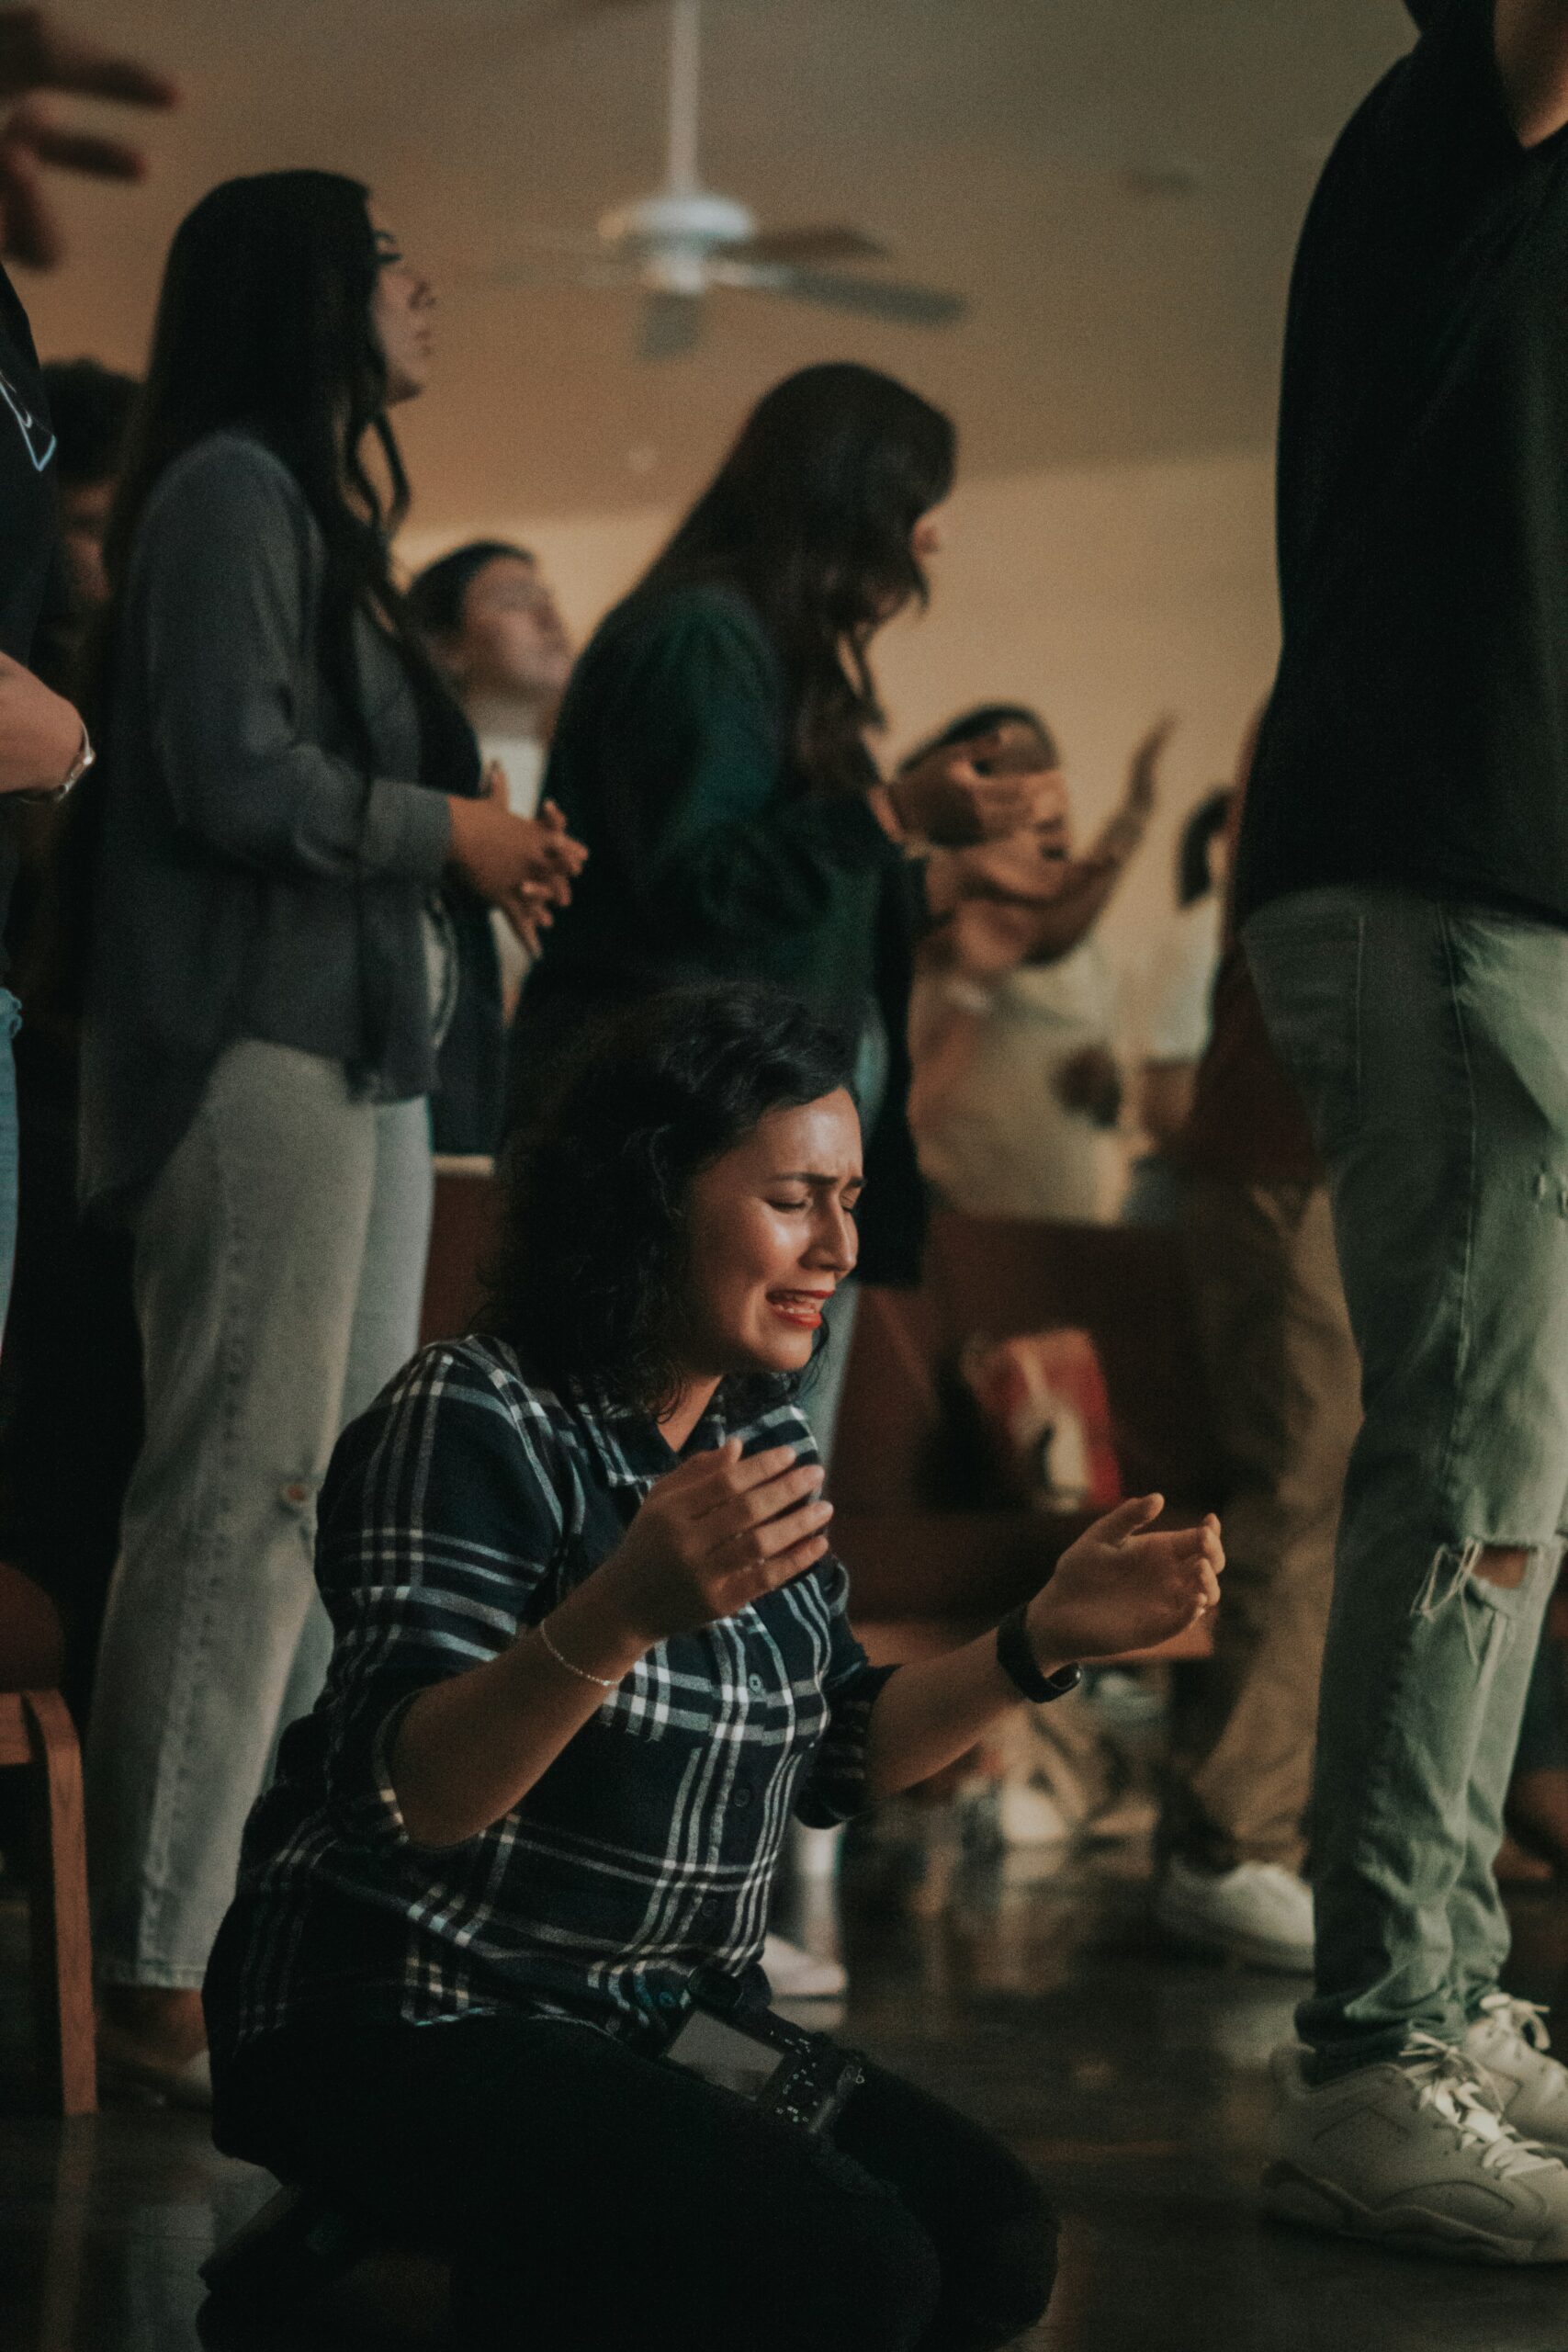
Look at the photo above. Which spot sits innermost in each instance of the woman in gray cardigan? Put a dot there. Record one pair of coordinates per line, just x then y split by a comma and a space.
287, 790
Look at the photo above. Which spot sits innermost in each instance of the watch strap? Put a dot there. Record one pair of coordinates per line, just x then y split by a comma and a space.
1015, 1656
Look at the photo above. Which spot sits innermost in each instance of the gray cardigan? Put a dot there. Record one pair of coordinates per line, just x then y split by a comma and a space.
251, 881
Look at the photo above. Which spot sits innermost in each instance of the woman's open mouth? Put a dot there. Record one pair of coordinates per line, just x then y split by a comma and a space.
801, 1307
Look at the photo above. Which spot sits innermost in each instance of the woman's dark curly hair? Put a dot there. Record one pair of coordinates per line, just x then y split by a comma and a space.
588, 1278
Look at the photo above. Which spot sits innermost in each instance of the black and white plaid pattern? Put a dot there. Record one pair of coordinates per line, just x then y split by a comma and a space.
460, 1507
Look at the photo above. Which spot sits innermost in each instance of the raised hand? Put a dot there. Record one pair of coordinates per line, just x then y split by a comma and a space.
979, 791
715, 1534
1120, 1587
1142, 769
36, 55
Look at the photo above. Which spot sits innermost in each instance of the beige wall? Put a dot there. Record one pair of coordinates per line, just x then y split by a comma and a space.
1105, 595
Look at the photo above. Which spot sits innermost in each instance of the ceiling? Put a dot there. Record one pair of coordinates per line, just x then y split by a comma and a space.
1116, 184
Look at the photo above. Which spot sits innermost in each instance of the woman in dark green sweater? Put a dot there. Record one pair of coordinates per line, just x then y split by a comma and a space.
712, 754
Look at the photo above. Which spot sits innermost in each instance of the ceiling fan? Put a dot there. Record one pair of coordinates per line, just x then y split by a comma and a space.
680, 242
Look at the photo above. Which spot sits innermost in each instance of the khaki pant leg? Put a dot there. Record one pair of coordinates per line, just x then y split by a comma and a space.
1283, 1375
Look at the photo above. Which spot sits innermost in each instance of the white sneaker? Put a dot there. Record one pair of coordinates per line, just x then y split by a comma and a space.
796, 1975
1258, 1911
1414, 2154
1510, 2040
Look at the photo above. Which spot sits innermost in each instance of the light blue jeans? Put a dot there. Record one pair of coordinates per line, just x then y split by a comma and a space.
1430, 1043
280, 1264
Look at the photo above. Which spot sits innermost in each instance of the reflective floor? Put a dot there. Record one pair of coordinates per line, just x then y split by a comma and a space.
1036, 1999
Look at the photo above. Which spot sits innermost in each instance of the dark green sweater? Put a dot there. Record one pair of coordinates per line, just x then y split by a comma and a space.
710, 859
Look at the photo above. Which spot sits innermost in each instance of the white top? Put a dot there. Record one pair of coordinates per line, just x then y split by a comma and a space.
1002, 1143
1182, 984
521, 758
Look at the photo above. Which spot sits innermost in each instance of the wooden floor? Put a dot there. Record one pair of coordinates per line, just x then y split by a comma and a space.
1131, 2079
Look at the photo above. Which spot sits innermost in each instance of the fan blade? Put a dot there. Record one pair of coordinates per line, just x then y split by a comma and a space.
874, 297
546, 273
584, 243
672, 326
805, 246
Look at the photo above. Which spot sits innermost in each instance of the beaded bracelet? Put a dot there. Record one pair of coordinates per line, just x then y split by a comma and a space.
604, 1682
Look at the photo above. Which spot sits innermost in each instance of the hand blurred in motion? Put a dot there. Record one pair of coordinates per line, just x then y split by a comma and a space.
981, 790
37, 54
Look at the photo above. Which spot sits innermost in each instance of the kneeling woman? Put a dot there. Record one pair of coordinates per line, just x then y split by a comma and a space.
591, 1654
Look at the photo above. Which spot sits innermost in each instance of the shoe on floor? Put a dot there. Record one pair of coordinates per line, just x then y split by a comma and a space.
128, 2076
796, 1975
1413, 2153
1510, 2040
1259, 1913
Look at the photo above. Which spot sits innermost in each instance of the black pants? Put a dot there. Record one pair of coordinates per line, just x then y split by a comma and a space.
589, 2198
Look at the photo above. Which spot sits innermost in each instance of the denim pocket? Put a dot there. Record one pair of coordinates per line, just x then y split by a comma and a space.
1306, 964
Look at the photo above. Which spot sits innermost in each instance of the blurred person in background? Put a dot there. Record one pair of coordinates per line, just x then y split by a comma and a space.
1181, 988
1017, 1086
1252, 1212
492, 623
90, 407
285, 784
72, 1352
713, 753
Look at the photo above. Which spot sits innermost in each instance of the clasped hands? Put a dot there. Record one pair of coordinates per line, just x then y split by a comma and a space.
524, 867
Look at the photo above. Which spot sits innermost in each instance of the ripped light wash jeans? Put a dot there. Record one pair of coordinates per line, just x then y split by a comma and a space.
1429, 1041
279, 1266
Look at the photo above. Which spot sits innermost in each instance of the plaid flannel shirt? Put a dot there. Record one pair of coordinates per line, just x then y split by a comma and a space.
457, 1511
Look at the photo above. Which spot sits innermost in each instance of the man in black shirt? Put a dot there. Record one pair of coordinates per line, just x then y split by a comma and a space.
43, 744
1402, 878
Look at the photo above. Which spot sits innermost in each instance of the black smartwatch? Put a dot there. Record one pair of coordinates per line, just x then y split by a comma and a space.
1015, 1656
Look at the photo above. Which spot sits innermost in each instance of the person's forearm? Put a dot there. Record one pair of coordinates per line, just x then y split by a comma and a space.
470, 1749
928, 1716
40, 734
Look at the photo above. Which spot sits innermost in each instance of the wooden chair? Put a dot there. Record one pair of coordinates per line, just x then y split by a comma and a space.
36, 1736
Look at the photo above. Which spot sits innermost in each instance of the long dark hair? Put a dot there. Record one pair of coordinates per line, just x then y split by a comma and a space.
590, 1276
264, 320
810, 517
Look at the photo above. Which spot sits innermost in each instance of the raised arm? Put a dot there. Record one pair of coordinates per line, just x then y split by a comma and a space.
1532, 59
